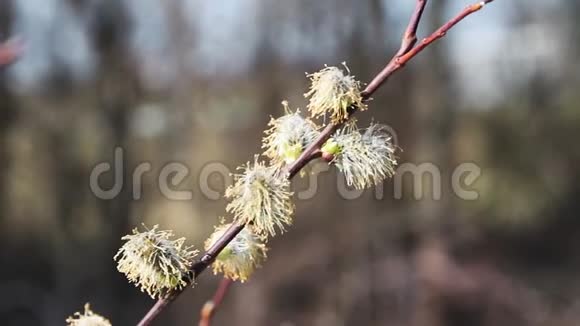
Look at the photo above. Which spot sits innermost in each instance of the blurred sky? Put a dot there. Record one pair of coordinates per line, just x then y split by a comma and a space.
57, 38
194, 81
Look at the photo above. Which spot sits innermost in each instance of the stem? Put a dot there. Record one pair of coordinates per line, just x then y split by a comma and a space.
406, 52
156, 309
10, 51
407, 43
439, 33
410, 36
210, 307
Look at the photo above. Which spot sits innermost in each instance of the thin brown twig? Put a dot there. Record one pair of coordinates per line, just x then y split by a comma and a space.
410, 36
399, 61
440, 33
210, 307
403, 56
10, 51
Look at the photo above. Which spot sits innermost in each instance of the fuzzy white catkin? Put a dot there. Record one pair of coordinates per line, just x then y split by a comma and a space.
288, 136
87, 318
365, 159
241, 256
154, 262
333, 92
261, 195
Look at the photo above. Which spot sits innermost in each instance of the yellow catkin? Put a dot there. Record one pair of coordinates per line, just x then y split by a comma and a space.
333, 92
241, 256
87, 318
154, 262
288, 136
365, 159
261, 195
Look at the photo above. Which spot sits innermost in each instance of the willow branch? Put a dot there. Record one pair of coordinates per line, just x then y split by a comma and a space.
410, 36
10, 51
210, 307
400, 60
406, 52
439, 33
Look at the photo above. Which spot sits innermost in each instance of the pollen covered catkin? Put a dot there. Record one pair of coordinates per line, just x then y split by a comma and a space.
366, 158
333, 92
87, 318
154, 262
288, 136
239, 259
261, 196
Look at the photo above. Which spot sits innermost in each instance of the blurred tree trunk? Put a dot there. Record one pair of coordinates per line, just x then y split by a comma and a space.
436, 120
7, 109
117, 91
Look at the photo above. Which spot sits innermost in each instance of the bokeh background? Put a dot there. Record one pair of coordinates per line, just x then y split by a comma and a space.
196, 82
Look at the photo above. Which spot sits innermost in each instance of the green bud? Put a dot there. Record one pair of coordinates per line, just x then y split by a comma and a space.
225, 254
291, 152
331, 147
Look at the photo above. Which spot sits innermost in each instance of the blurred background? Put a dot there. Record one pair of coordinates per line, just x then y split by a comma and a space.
195, 82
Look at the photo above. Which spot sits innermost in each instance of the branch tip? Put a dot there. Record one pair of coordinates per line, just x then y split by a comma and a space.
407, 51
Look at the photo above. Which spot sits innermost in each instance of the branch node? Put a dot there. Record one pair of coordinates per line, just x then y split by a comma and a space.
207, 310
